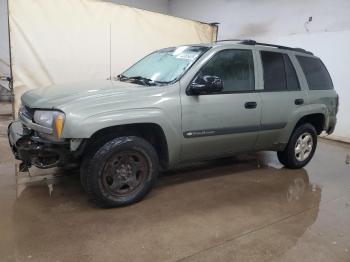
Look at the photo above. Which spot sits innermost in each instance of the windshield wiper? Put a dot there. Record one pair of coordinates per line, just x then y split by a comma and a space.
139, 79
142, 79
120, 77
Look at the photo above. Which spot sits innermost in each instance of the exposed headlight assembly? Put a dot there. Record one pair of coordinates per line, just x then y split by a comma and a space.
50, 119
44, 118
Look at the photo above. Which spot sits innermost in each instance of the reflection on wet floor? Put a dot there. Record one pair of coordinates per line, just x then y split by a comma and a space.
244, 208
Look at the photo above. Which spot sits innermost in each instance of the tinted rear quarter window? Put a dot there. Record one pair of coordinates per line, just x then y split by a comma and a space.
316, 73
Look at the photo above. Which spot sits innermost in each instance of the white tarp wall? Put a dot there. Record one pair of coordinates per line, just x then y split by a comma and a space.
54, 41
4, 51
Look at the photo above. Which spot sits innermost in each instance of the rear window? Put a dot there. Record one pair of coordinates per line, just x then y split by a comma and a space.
316, 73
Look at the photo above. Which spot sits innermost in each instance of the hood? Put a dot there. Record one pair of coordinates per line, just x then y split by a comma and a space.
63, 95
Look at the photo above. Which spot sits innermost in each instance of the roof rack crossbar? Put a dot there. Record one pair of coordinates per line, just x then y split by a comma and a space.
253, 42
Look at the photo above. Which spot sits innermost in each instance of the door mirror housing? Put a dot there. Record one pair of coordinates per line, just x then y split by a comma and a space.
205, 85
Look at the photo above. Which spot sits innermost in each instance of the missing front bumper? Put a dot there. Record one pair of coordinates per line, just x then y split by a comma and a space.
33, 150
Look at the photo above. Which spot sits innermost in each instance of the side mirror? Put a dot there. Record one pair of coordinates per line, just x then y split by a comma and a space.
205, 85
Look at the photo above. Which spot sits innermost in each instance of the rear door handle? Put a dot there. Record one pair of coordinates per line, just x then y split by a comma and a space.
250, 105
299, 101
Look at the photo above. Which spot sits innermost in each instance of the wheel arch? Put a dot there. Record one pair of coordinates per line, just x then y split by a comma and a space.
151, 132
318, 120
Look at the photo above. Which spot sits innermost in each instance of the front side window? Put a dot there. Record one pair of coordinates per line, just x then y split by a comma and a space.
163, 66
234, 67
279, 73
316, 74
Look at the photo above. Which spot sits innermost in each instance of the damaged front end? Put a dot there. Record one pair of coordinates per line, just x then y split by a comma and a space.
31, 149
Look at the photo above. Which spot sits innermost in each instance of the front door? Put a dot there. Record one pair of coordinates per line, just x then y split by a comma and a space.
226, 122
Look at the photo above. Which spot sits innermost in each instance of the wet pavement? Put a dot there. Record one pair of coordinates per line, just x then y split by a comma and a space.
245, 208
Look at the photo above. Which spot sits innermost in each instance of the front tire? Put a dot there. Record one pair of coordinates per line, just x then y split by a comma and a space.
300, 148
121, 172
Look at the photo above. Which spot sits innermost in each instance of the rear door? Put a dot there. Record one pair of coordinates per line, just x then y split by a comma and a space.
281, 97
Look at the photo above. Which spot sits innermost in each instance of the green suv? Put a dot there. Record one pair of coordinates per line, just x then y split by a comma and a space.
178, 105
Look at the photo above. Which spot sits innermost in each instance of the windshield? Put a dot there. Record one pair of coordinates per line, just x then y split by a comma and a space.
163, 66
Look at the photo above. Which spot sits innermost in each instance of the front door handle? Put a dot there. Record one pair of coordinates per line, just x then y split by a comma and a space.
299, 101
250, 105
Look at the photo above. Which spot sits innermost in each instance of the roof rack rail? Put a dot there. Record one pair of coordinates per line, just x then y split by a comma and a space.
253, 42
231, 40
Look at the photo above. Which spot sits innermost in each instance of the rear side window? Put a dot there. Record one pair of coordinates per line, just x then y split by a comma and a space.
291, 75
316, 73
279, 73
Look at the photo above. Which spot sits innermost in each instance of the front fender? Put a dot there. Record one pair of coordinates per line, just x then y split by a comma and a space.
85, 128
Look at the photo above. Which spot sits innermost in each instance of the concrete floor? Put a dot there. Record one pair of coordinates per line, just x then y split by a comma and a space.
246, 208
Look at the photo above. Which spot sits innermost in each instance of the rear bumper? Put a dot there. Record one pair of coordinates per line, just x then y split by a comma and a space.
33, 150
331, 125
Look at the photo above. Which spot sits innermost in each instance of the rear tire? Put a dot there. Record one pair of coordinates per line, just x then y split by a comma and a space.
121, 172
300, 148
